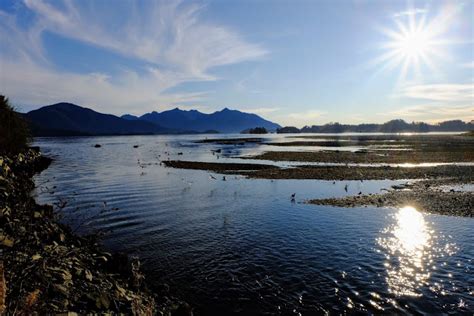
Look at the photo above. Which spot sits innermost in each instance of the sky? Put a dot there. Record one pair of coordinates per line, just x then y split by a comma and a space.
293, 62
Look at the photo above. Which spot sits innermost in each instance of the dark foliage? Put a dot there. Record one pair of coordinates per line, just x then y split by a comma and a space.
393, 126
288, 130
14, 134
256, 130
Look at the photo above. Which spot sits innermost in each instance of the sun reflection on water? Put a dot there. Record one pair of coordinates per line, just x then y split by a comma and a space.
409, 252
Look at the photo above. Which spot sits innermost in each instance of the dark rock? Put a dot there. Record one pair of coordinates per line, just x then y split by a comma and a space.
183, 310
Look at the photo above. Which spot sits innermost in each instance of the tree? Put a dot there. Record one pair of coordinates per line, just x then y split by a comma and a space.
14, 133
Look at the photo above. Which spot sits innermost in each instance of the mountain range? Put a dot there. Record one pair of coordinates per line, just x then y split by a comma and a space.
225, 121
67, 119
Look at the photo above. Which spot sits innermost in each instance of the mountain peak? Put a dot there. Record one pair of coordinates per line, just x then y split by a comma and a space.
64, 105
67, 119
225, 120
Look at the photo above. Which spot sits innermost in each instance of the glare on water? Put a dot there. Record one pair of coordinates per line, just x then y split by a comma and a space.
409, 252
411, 232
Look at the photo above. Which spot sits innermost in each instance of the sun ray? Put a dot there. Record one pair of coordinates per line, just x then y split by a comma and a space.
415, 44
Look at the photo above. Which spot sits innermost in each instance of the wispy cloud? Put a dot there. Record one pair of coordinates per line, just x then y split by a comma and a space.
468, 65
31, 84
170, 36
410, 12
302, 118
433, 113
436, 102
441, 92
261, 110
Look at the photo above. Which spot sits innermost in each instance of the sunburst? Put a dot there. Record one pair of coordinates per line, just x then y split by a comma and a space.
415, 44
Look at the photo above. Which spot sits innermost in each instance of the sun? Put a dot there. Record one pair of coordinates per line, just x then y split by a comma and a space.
414, 44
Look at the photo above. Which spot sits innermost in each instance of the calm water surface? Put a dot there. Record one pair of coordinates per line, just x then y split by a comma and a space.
240, 246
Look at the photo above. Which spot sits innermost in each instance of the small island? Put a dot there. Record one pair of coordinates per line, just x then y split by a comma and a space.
256, 130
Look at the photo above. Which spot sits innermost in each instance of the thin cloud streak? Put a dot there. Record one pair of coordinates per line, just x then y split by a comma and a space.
300, 119
260, 110
441, 92
468, 65
433, 113
410, 12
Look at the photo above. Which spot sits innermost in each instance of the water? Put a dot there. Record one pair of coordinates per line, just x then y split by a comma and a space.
241, 246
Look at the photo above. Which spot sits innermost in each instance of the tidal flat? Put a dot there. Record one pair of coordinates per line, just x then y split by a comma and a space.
430, 159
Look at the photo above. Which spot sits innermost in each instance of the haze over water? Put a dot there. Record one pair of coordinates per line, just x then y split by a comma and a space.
241, 246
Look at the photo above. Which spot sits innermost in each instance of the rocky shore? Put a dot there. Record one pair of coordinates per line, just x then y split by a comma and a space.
46, 269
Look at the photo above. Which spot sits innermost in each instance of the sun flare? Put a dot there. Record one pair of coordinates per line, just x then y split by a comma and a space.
415, 44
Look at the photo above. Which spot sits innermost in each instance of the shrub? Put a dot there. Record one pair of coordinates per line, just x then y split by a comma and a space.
14, 134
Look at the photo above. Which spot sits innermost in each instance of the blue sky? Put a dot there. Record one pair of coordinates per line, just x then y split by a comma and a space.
294, 62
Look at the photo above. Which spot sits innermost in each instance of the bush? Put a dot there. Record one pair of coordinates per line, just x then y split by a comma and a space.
14, 134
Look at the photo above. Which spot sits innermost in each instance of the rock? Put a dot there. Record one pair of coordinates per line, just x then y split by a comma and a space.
3, 289
97, 146
51, 270
6, 241
183, 309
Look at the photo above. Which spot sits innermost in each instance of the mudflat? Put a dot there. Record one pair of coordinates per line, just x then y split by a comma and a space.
429, 196
389, 149
378, 157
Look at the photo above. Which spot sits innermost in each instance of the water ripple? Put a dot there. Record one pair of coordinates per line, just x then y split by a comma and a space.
241, 247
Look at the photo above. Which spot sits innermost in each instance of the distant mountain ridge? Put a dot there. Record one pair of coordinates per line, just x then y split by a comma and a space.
67, 119
393, 126
224, 121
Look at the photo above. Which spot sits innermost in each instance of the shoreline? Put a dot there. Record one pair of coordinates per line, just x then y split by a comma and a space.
46, 268
305, 172
425, 195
